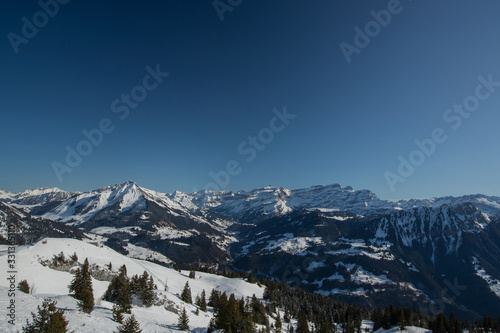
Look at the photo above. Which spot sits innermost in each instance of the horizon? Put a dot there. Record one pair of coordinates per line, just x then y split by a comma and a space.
191, 96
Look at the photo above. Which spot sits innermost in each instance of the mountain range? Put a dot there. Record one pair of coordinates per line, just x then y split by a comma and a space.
435, 254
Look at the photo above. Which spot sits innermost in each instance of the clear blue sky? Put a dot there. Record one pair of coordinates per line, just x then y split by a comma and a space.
353, 120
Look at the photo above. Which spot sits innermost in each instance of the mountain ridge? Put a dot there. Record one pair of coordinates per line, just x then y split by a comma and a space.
328, 239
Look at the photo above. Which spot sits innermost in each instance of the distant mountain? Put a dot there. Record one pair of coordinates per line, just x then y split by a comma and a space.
28, 229
433, 254
127, 213
259, 204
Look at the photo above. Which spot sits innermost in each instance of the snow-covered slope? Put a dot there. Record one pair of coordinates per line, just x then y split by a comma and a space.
441, 226
25, 228
82, 207
45, 282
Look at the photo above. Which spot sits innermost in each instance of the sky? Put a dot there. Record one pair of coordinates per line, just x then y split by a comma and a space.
398, 97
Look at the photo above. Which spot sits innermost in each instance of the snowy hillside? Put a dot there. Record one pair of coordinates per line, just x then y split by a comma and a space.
29, 228
45, 282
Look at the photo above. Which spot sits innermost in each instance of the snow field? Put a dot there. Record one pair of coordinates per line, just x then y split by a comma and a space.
46, 282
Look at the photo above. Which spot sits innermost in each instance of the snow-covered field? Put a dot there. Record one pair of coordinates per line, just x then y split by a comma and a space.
46, 282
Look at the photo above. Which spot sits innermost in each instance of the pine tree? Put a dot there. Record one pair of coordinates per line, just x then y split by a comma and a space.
24, 287
130, 326
277, 323
192, 275
214, 296
203, 301
148, 295
117, 314
48, 320
402, 326
302, 325
286, 316
143, 287
74, 257
186, 294
81, 286
119, 291
183, 320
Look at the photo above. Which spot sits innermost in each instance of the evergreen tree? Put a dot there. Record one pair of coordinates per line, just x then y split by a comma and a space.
148, 295
117, 314
183, 320
286, 316
81, 286
24, 287
130, 326
214, 296
48, 319
203, 301
402, 324
119, 291
302, 325
143, 287
186, 294
277, 323
74, 257
440, 324
192, 275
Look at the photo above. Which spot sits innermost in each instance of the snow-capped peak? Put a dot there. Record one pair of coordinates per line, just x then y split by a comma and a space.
83, 206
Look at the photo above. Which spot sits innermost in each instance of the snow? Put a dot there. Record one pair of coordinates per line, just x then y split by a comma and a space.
292, 245
364, 277
493, 283
46, 282
330, 278
138, 252
5, 195
360, 248
110, 230
82, 207
171, 233
408, 329
315, 265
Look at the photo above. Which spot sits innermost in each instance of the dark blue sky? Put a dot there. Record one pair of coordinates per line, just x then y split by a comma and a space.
354, 122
